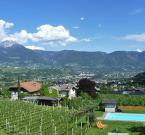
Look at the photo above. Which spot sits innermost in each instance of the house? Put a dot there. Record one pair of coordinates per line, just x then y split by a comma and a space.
65, 90
72, 93
131, 91
43, 100
110, 105
62, 90
30, 87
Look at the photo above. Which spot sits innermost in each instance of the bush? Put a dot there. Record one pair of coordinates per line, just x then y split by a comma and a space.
47, 91
116, 130
126, 100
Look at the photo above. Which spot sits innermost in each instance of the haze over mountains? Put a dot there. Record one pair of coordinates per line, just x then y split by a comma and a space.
12, 52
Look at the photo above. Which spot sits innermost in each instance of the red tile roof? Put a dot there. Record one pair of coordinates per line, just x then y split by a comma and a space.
31, 86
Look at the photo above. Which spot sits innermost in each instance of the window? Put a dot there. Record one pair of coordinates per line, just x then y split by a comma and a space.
109, 105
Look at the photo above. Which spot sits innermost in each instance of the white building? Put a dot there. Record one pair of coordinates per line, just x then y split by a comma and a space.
65, 90
71, 93
14, 95
110, 105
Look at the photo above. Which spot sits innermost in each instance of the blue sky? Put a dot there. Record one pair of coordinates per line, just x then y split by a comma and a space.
87, 25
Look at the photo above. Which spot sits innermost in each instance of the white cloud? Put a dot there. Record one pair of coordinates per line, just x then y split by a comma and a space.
137, 11
82, 18
35, 47
59, 35
22, 37
135, 37
45, 34
138, 50
3, 26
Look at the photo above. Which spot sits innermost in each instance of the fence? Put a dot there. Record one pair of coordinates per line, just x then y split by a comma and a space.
131, 107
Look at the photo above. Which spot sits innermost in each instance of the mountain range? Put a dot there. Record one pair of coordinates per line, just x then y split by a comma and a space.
17, 54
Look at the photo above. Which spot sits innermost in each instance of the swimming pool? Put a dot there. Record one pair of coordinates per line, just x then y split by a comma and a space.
125, 117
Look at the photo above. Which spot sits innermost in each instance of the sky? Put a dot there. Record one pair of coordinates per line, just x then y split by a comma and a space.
83, 25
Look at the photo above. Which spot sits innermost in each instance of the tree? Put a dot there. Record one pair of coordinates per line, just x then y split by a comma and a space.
47, 91
86, 86
4, 92
105, 89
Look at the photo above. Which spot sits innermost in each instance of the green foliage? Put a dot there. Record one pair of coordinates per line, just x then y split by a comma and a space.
126, 100
86, 86
139, 79
54, 93
23, 94
124, 127
4, 92
105, 89
83, 102
18, 117
116, 130
90, 117
85, 96
47, 91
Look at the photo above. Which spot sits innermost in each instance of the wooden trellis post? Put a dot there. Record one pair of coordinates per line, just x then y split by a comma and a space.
81, 129
55, 131
72, 131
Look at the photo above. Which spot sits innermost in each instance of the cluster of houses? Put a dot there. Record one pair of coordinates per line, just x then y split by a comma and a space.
130, 91
122, 88
33, 88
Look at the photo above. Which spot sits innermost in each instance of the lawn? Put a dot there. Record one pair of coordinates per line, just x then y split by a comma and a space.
99, 113
133, 128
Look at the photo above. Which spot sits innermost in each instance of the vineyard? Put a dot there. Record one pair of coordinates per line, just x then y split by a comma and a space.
22, 118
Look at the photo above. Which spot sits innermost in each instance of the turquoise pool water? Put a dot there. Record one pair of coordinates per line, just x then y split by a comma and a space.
125, 117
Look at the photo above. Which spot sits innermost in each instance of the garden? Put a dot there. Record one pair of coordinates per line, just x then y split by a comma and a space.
133, 128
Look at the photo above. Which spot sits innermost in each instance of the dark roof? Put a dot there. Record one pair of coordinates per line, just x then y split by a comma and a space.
41, 98
109, 101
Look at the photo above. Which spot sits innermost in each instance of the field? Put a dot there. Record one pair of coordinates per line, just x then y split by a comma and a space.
21, 118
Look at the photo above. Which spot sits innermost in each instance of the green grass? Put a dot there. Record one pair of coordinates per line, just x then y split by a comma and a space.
2, 132
99, 113
121, 126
